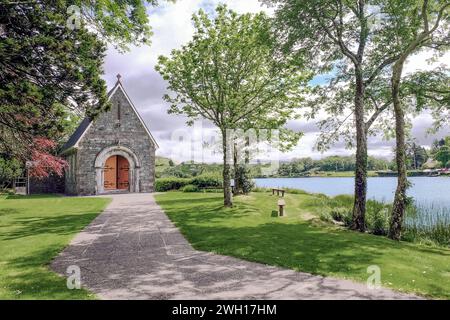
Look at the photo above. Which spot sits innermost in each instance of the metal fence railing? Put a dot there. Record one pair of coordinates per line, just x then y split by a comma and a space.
20, 185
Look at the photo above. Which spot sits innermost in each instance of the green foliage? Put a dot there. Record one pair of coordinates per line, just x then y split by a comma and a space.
207, 180
343, 42
378, 217
52, 64
187, 169
346, 40
261, 189
416, 156
48, 71
423, 224
306, 166
339, 209
243, 179
166, 184
229, 74
294, 168
203, 181
69, 123
442, 151
121, 23
430, 90
292, 191
341, 214
9, 170
190, 188
428, 225
177, 172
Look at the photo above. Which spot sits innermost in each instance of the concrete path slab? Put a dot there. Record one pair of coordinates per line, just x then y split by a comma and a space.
133, 251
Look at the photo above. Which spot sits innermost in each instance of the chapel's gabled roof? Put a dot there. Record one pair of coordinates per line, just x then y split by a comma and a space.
86, 123
76, 136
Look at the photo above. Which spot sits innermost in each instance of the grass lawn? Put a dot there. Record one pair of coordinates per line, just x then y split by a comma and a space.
302, 242
33, 230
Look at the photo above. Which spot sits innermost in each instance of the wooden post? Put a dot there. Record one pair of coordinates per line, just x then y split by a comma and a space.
281, 204
28, 182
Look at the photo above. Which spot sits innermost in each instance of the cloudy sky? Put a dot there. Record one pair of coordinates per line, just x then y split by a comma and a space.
172, 27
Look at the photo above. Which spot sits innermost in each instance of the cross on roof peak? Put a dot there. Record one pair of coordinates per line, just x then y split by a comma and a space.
118, 77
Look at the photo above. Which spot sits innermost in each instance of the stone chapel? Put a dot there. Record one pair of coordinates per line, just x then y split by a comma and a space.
113, 153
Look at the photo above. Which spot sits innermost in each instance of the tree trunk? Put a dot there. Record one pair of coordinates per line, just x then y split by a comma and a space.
235, 167
359, 206
398, 209
247, 151
227, 202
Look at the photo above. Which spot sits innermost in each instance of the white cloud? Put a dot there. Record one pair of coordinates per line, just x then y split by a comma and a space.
424, 61
172, 27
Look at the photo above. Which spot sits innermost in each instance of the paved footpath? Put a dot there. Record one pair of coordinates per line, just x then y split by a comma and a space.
133, 251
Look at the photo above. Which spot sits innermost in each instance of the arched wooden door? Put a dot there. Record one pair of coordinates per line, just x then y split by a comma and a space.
123, 168
116, 173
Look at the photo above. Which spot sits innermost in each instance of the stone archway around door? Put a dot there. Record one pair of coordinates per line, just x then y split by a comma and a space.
102, 168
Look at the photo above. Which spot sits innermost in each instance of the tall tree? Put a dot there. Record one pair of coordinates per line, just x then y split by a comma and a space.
120, 23
46, 69
340, 37
416, 155
51, 58
227, 73
274, 133
442, 152
417, 25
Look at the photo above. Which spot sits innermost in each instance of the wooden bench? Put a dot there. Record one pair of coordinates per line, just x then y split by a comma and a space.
282, 191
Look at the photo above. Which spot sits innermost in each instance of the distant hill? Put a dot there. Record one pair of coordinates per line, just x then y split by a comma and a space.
166, 167
162, 164
162, 161
338, 166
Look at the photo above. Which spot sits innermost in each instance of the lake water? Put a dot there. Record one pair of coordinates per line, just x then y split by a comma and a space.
425, 190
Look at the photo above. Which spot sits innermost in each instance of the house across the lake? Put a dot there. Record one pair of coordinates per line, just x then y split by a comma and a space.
113, 153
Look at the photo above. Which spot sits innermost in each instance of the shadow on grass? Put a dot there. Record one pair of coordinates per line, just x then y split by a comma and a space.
61, 225
248, 232
207, 200
207, 205
32, 237
289, 244
298, 246
32, 196
6, 211
32, 278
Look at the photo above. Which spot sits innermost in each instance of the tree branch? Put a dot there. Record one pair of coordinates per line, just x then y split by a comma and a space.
377, 112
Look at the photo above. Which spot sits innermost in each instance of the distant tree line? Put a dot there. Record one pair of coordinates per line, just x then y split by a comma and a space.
294, 168
440, 151
298, 167
416, 157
